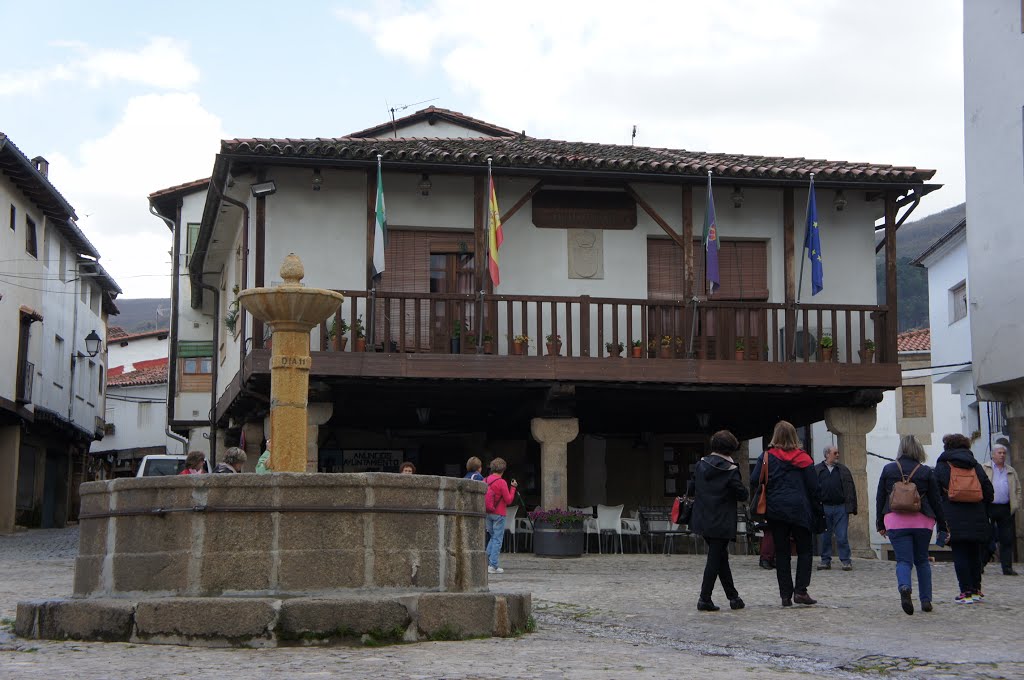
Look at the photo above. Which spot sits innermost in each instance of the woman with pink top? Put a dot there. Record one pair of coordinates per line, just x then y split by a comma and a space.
910, 532
496, 500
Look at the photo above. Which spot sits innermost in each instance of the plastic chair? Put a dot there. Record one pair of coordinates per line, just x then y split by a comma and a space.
525, 527
631, 527
609, 521
510, 528
589, 527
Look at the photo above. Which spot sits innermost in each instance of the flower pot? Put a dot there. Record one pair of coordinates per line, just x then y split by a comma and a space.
342, 343
518, 348
867, 356
637, 352
665, 352
549, 541
554, 348
826, 353
615, 353
360, 345
488, 347
456, 346
268, 343
740, 354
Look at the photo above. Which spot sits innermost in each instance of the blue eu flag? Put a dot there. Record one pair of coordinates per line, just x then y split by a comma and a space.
812, 242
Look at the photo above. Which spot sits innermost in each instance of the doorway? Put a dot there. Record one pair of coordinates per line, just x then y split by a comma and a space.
451, 272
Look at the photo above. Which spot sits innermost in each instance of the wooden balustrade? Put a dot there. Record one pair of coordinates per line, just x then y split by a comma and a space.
591, 327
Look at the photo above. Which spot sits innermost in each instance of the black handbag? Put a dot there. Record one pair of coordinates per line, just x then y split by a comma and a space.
682, 510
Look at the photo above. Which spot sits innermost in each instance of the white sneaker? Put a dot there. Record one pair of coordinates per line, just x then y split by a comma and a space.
495, 570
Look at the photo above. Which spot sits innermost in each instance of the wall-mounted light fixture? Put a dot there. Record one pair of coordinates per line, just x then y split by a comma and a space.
424, 185
840, 200
93, 343
423, 415
263, 188
703, 420
737, 197
318, 179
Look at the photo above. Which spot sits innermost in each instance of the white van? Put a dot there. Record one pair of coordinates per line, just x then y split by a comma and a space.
164, 465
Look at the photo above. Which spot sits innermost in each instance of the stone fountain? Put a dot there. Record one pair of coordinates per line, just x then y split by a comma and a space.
286, 558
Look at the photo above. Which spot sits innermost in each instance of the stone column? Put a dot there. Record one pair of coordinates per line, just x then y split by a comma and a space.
554, 434
289, 396
851, 425
10, 446
317, 415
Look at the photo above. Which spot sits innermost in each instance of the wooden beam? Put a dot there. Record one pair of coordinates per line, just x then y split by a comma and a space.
521, 202
892, 316
259, 267
480, 236
371, 221
788, 264
687, 236
657, 218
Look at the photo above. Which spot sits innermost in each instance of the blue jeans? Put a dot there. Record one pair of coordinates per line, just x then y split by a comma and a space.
911, 548
496, 528
836, 522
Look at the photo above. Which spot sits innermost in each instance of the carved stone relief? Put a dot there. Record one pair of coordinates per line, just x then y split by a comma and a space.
586, 253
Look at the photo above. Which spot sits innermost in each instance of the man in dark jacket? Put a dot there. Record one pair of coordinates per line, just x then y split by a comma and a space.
839, 498
968, 521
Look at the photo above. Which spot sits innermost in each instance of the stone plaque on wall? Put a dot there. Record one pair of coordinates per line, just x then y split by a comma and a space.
586, 253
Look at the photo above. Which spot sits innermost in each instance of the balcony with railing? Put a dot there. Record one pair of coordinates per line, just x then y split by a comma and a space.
444, 335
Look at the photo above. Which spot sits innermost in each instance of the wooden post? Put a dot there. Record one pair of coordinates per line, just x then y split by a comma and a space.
480, 256
788, 267
688, 241
892, 316
260, 263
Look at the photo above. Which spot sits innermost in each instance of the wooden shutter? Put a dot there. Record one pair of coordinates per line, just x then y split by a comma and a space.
742, 269
666, 278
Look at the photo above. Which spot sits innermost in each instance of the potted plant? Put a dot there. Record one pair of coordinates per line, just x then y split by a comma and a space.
359, 335
557, 532
268, 337
338, 326
471, 343
520, 344
827, 347
637, 350
553, 344
615, 348
665, 347
456, 338
680, 347
740, 349
867, 355
231, 316
488, 342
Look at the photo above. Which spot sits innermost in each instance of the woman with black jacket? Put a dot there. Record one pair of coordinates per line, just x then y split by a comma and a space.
909, 532
794, 509
968, 522
717, 488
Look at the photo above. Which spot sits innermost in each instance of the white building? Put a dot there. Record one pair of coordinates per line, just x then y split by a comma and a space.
994, 145
136, 399
55, 298
601, 247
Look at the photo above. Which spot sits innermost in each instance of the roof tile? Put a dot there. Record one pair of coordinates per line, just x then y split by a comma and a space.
916, 340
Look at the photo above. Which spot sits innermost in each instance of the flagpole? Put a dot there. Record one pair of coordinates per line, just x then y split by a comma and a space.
486, 264
803, 251
371, 313
707, 239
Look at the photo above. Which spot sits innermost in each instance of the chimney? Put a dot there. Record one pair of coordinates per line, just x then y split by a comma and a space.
42, 165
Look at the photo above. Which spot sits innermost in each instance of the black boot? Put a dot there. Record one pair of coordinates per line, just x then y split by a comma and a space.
736, 603
706, 606
905, 601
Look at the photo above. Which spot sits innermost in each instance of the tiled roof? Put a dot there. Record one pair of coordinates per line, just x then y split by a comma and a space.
187, 187
114, 332
138, 336
432, 113
151, 375
917, 340
528, 153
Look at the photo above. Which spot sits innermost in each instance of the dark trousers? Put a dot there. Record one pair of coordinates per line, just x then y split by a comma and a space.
967, 563
767, 545
717, 567
781, 532
1002, 533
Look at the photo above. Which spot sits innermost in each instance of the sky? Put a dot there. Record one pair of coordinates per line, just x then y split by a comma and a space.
124, 99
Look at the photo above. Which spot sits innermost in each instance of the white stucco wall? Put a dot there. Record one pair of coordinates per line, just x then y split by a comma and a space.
993, 109
138, 415
439, 128
125, 352
951, 340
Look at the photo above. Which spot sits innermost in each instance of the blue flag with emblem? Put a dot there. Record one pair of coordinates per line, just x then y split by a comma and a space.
812, 243
711, 244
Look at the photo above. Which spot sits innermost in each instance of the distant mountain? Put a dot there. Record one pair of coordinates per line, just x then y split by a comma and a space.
143, 314
912, 239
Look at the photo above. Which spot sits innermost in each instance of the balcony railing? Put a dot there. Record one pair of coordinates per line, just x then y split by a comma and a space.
591, 327
25, 377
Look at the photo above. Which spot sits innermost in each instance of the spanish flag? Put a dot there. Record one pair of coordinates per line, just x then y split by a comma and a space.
494, 234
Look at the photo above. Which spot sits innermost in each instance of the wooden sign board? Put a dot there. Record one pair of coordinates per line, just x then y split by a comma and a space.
564, 209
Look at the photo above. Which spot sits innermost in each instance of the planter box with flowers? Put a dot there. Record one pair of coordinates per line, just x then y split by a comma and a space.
339, 331
520, 345
637, 350
827, 347
553, 344
557, 532
614, 349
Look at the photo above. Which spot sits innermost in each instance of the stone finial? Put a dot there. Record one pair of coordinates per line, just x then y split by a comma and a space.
292, 270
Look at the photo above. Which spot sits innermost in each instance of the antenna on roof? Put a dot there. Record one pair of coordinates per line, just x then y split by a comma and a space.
633, 138
392, 110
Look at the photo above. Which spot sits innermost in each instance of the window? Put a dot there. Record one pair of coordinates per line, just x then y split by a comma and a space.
195, 366
58, 359
92, 375
190, 243
14, 216
99, 385
95, 301
30, 237
958, 302
198, 366
742, 267
145, 408
915, 404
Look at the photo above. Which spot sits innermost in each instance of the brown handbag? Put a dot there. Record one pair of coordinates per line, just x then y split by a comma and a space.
759, 503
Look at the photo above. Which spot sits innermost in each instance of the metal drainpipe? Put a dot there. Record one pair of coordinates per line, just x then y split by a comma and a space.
172, 332
213, 366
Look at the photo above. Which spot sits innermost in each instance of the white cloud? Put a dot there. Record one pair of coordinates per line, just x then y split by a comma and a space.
162, 63
161, 140
822, 79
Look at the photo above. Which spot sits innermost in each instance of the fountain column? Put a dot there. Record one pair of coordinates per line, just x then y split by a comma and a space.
291, 310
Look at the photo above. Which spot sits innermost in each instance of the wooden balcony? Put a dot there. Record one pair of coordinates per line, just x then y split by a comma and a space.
466, 336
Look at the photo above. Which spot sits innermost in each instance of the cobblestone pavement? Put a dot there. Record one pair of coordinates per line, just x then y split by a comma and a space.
615, 616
